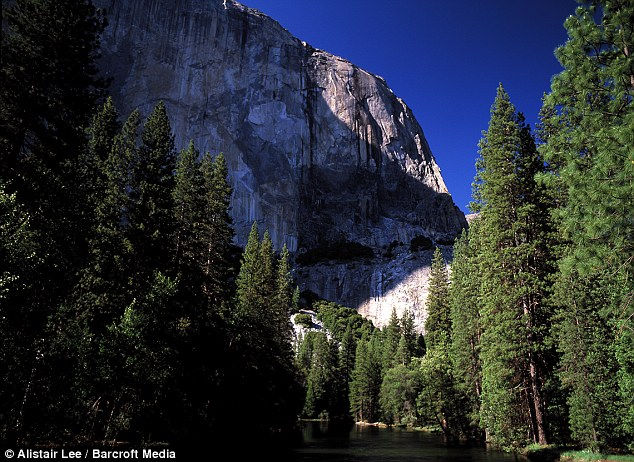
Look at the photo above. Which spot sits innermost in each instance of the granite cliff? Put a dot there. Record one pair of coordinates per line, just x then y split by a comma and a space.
321, 152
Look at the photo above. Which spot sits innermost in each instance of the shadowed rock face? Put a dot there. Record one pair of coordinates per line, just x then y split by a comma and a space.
320, 151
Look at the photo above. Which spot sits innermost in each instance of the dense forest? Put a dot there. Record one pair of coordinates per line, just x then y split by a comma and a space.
128, 314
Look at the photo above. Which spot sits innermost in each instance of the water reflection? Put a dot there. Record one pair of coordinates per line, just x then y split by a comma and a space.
352, 443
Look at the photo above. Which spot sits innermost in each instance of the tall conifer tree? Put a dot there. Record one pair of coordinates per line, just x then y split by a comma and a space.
320, 384
217, 230
587, 128
439, 400
408, 332
465, 320
267, 276
189, 213
438, 323
515, 267
345, 368
247, 291
151, 207
283, 300
366, 381
48, 90
391, 336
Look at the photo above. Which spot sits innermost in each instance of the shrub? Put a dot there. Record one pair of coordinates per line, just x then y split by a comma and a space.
304, 319
336, 319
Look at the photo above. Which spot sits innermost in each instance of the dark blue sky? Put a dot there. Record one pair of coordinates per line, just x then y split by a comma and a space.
443, 57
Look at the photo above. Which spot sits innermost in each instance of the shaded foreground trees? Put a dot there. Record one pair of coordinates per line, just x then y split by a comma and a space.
118, 311
153, 341
48, 87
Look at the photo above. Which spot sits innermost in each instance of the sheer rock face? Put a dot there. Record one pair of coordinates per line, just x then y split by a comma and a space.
319, 150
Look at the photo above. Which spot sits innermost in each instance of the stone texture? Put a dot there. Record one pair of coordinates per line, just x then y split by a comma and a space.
319, 150
471, 216
376, 286
300, 331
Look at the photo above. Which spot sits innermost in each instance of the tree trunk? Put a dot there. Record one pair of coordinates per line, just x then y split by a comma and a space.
537, 403
535, 395
27, 391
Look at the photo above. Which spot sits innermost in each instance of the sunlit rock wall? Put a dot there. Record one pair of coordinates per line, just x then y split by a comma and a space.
319, 150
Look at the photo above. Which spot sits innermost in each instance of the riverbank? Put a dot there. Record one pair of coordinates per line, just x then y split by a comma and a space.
372, 424
574, 456
556, 453
426, 429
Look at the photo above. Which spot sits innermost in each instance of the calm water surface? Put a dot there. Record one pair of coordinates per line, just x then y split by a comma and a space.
323, 442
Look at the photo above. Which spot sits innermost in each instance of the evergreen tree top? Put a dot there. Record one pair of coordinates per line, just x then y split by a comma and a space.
157, 133
438, 324
251, 250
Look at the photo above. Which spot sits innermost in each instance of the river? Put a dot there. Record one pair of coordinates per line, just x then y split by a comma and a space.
323, 442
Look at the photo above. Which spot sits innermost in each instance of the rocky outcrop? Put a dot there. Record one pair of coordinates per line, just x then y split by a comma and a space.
471, 216
321, 152
300, 330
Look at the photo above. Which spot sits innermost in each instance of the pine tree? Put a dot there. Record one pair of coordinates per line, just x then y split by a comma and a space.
295, 300
189, 212
263, 357
268, 273
103, 291
320, 381
514, 315
110, 263
101, 133
503, 347
97, 288
465, 320
305, 354
391, 334
366, 381
151, 206
375, 375
587, 124
438, 324
408, 331
247, 296
345, 368
256, 305
359, 385
283, 300
439, 401
217, 230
